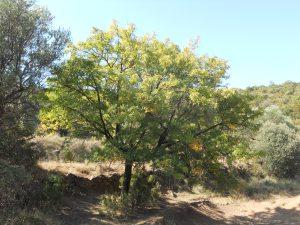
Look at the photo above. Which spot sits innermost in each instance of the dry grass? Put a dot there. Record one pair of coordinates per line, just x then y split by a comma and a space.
264, 188
79, 148
87, 170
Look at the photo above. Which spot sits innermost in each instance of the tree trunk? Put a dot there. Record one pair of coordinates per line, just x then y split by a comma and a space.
127, 176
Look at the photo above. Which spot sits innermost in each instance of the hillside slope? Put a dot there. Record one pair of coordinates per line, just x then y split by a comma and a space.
286, 96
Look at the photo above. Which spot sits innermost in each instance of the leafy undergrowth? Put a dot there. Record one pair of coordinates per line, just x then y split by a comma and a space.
26, 195
144, 192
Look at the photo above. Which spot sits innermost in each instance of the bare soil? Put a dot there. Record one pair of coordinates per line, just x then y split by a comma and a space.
181, 208
190, 209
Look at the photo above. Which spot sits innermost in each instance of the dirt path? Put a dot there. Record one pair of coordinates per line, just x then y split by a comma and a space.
182, 209
278, 210
190, 209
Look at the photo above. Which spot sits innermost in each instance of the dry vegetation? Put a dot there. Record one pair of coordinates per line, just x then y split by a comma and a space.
273, 201
55, 147
86, 170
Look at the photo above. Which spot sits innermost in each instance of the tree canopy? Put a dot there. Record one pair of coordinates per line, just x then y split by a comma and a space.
148, 99
29, 47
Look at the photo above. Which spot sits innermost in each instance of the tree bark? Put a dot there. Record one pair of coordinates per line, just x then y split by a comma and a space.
127, 176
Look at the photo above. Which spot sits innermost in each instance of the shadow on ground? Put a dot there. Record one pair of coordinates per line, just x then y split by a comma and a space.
82, 211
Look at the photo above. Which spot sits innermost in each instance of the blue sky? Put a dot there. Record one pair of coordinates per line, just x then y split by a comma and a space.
260, 39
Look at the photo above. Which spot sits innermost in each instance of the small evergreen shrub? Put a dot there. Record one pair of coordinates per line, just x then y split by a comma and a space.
279, 144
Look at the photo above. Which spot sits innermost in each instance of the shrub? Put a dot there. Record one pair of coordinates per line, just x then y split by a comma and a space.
18, 151
275, 115
54, 187
219, 179
116, 206
144, 191
22, 190
12, 182
280, 146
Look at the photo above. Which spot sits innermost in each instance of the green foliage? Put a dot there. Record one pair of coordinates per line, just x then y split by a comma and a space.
19, 193
54, 188
66, 153
21, 151
13, 179
278, 141
116, 206
52, 121
145, 191
219, 179
149, 100
29, 46
286, 96
275, 115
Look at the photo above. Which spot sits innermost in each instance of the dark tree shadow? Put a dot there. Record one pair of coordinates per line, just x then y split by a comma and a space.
82, 209
77, 211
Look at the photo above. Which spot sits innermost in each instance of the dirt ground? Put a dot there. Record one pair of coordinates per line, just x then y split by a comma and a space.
181, 208
190, 209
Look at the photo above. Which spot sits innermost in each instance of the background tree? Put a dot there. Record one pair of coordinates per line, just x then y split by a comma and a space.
29, 46
149, 100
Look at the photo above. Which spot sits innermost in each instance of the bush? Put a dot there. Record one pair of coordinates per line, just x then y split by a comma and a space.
280, 146
13, 179
54, 187
219, 179
18, 151
144, 191
22, 190
116, 206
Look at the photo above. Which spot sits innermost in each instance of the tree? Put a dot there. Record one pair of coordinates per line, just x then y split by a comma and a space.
29, 46
148, 99
52, 119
